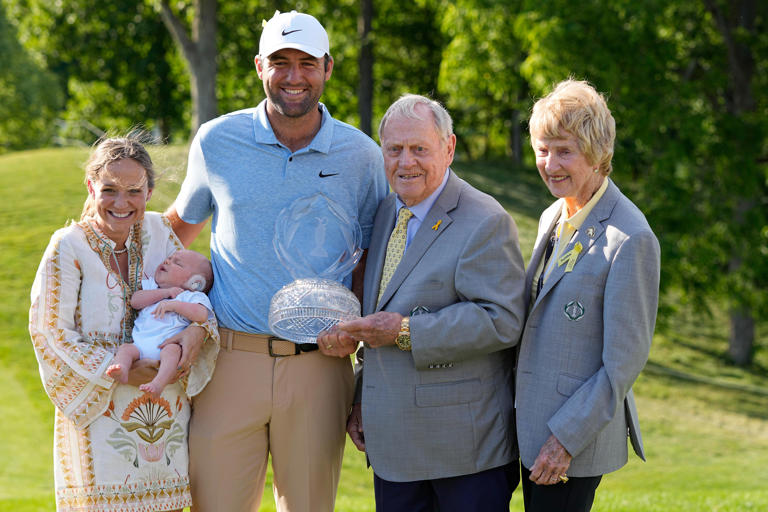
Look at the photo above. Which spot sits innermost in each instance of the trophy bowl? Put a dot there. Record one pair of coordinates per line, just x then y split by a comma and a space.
302, 309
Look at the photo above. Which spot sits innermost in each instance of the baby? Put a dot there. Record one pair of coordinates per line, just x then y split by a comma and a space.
186, 277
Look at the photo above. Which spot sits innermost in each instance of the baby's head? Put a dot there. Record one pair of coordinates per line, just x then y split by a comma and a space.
186, 269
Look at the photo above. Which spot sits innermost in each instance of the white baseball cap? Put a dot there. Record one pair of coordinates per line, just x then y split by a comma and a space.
293, 30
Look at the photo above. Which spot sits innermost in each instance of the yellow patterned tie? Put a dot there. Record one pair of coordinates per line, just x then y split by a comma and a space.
395, 249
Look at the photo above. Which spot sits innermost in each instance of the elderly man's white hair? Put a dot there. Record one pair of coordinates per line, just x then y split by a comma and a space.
405, 106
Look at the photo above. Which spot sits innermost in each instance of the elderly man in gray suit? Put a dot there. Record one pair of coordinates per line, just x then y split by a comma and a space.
592, 287
443, 302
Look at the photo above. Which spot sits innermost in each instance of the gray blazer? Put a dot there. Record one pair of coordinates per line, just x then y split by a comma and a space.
587, 337
445, 409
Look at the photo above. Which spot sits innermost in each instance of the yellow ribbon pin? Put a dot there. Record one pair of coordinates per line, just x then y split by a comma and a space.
570, 257
437, 224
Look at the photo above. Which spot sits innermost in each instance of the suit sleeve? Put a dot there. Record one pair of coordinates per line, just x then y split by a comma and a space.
629, 317
489, 283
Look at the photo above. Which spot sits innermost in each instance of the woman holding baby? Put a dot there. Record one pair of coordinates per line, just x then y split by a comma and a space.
116, 447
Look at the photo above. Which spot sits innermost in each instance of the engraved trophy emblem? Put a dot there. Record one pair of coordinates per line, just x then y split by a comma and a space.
319, 245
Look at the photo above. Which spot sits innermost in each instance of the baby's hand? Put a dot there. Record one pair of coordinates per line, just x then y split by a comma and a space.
174, 291
163, 307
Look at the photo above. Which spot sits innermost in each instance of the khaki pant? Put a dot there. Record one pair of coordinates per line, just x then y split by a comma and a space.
293, 407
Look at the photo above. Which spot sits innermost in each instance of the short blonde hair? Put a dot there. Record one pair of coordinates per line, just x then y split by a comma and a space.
575, 107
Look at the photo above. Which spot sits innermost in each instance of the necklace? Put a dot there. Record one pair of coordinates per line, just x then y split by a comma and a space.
121, 251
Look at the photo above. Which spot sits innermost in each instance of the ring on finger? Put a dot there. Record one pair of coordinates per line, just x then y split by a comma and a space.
563, 478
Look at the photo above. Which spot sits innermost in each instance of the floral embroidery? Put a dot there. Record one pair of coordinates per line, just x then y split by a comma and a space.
150, 419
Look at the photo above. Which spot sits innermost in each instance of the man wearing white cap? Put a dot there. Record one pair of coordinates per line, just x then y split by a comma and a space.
271, 396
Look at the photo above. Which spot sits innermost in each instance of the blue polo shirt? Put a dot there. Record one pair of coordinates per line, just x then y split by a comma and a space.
241, 175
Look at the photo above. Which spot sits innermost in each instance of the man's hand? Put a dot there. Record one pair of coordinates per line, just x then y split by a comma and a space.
552, 463
190, 340
335, 342
142, 371
377, 330
355, 427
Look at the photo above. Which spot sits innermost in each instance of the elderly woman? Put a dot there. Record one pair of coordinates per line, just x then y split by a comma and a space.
115, 448
592, 288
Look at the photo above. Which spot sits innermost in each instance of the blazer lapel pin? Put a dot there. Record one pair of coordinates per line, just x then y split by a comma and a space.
591, 231
569, 258
437, 224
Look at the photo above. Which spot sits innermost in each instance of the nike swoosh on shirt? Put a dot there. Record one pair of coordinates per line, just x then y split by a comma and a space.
285, 33
326, 175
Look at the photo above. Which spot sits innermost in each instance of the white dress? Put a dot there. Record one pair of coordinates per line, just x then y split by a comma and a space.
116, 449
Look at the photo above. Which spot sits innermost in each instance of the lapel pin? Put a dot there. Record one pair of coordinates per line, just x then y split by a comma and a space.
569, 258
574, 310
591, 231
437, 224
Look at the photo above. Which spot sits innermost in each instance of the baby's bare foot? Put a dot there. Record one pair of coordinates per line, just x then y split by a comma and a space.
118, 372
153, 389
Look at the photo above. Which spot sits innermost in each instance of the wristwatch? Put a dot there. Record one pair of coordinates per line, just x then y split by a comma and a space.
403, 339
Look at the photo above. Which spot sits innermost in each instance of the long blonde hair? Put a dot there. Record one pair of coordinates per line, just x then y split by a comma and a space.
111, 150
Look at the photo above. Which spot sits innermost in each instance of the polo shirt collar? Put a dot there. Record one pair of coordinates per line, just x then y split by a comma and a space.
263, 133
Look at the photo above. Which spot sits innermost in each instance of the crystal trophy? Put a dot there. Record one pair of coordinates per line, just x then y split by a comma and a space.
319, 245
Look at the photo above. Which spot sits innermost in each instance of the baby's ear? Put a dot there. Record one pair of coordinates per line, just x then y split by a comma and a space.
196, 283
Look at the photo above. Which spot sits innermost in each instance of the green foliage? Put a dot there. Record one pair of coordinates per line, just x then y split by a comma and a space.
29, 95
480, 74
115, 60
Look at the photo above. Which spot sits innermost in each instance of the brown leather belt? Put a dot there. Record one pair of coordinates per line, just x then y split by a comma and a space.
262, 344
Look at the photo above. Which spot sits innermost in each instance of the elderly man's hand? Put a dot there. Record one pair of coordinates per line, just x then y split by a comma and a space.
377, 330
191, 341
336, 342
355, 427
552, 463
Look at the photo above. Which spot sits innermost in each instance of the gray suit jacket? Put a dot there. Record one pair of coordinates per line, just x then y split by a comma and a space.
587, 337
445, 409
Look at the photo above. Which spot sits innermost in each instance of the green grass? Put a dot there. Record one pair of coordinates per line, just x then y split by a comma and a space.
704, 421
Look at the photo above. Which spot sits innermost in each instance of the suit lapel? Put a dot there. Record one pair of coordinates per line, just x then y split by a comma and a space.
540, 247
585, 236
425, 236
377, 251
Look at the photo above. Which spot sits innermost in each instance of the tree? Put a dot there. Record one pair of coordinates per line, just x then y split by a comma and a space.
480, 76
114, 60
30, 97
199, 49
365, 65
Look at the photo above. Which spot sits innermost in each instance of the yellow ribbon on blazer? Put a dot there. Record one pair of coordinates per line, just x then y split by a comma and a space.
569, 258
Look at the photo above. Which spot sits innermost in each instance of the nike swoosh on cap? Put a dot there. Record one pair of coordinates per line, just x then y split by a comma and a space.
285, 33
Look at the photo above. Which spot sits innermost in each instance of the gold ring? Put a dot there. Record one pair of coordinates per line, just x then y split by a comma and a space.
563, 478
328, 346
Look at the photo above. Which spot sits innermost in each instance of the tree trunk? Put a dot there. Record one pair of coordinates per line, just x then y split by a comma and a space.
199, 50
739, 100
365, 63
742, 336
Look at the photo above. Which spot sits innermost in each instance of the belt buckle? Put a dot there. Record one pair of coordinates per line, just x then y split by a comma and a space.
272, 354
